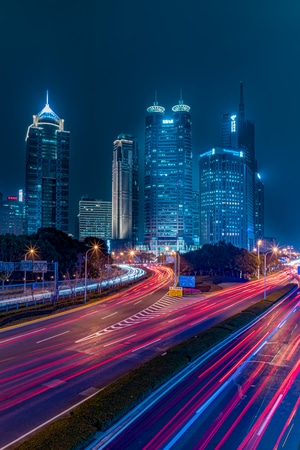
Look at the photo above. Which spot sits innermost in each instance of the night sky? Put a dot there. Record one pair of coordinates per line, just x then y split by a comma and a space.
103, 60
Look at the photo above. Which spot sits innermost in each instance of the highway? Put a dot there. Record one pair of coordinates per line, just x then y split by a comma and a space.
50, 365
246, 395
65, 288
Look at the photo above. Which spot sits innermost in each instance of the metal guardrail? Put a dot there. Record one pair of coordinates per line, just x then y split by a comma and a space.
43, 294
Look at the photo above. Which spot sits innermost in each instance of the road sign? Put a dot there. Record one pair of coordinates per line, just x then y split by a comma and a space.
26, 265
175, 291
186, 281
6, 266
169, 259
39, 266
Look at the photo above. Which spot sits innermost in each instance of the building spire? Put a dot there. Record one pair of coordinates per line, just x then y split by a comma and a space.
47, 97
181, 107
241, 104
155, 108
180, 98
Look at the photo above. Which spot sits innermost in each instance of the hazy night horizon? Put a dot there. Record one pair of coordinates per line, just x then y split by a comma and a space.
102, 65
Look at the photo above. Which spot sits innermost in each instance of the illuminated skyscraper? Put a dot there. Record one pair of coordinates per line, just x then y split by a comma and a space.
229, 131
47, 173
168, 178
94, 219
222, 197
125, 189
259, 225
12, 214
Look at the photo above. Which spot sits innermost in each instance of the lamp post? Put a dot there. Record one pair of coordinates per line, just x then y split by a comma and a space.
259, 242
94, 248
274, 250
176, 267
31, 251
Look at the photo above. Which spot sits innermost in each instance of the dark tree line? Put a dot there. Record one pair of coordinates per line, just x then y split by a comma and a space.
52, 245
220, 259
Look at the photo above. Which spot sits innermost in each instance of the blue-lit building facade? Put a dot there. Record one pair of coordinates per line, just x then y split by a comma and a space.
168, 179
125, 190
222, 197
237, 138
47, 173
259, 223
94, 219
12, 214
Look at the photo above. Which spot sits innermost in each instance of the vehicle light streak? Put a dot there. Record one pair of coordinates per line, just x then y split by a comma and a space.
267, 419
119, 340
247, 373
145, 345
72, 358
20, 336
286, 425
253, 437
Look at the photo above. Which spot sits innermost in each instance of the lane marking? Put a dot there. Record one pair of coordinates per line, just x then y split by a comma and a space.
22, 335
109, 315
119, 340
52, 337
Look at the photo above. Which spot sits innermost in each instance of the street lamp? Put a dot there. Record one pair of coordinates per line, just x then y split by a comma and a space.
31, 252
274, 250
131, 253
176, 267
94, 248
259, 242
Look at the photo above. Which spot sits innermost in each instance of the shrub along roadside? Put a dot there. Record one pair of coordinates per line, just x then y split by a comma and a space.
109, 405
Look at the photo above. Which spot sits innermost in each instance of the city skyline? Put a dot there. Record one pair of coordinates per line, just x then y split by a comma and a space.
205, 50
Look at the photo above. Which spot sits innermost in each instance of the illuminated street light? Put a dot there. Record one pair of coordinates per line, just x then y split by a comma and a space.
274, 250
31, 252
259, 242
94, 248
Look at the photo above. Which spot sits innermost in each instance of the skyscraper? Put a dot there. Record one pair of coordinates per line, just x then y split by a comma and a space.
238, 134
94, 219
259, 227
12, 214
254, 200
125, 189
168, 178
230, 131
47, 172
222, 197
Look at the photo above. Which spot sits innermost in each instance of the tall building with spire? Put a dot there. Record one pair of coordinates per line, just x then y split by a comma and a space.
229, 185
125, 189
168, 178
47, 172
254, 181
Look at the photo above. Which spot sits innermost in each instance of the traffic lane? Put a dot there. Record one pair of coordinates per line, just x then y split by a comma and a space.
51, 373
260, 393
85, 354
159, 282
60, 339
180, 405
130, 303
79, 320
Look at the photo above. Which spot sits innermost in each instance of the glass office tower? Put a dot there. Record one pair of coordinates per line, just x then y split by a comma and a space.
125, 189
94, 218
168, 178
47, 173
223, 215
